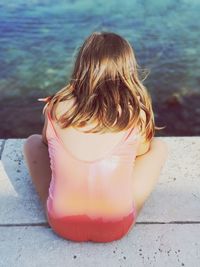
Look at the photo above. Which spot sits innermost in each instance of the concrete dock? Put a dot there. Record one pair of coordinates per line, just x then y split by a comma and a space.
166, 234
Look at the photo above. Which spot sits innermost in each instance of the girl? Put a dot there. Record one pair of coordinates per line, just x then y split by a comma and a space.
97, 160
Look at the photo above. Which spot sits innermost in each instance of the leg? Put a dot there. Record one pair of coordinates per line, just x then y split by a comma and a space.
37, 159
146, 171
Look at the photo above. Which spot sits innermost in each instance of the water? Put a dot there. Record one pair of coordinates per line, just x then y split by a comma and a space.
39, 39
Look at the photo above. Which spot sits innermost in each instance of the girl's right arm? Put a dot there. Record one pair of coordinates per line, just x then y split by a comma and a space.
144, 145
143, 148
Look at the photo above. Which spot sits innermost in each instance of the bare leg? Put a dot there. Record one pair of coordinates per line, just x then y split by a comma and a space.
147, 170
37, 159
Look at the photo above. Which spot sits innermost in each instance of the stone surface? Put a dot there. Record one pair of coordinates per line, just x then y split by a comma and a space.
19, 201
163, 245
167, 231
177, 195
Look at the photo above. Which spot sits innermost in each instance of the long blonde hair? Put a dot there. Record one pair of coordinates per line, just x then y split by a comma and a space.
106, 88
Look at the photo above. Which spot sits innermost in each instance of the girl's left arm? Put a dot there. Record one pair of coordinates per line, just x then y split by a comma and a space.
44, 139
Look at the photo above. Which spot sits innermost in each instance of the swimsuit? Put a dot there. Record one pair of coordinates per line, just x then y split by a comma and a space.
91, 200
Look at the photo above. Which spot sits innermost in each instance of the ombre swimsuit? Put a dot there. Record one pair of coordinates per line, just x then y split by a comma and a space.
91, 200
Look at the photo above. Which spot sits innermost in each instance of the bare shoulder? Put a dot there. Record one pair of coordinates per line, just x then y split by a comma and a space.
63, 107
144, 145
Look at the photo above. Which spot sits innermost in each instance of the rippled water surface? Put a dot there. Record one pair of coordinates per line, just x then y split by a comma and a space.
39, 38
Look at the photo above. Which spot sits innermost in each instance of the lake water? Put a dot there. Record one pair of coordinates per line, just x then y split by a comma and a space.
38, 40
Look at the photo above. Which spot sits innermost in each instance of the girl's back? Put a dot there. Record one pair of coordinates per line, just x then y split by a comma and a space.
91, 191
83, 146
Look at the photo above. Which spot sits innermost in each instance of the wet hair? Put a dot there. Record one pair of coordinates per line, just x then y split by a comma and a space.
106, 89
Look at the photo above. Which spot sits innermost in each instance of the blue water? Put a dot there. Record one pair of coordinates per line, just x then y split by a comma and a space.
39, 40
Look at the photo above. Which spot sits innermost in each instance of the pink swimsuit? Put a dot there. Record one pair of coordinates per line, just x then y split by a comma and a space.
91, 200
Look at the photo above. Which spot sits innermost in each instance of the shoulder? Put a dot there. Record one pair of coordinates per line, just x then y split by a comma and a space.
143, 115
144, 145
63, 107
143, 123
45, 113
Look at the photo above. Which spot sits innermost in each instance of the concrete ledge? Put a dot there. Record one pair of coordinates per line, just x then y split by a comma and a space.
167, 231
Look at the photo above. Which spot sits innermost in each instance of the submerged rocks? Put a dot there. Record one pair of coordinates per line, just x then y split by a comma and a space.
174, 100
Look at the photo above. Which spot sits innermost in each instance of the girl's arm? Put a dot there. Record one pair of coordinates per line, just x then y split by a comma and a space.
44, 139
144, 145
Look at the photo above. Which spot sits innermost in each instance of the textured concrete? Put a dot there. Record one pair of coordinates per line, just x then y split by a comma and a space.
167, 232
147, 245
